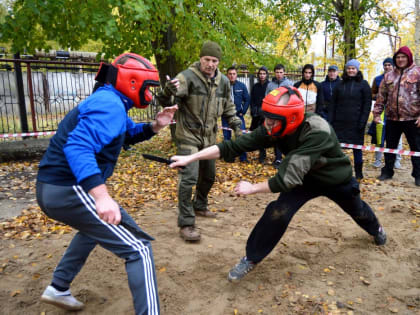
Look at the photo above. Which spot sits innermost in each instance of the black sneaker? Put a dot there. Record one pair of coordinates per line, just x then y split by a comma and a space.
241, 269
380, 238
384, 176
417, 181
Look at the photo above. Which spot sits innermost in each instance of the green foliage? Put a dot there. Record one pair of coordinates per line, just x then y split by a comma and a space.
345, 18
250, 32
132, 25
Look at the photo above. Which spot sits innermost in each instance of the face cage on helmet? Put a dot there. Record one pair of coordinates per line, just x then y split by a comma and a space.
282, 119
142, 92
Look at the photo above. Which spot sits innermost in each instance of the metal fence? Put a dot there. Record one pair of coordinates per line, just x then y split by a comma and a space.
35, 95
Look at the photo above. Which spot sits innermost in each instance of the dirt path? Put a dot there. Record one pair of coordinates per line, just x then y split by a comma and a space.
325, 264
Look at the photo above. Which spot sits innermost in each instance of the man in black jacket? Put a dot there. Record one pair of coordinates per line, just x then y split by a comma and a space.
257, 96
328, 85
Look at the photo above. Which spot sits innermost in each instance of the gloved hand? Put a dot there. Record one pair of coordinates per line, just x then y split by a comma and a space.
238, 133
171, 86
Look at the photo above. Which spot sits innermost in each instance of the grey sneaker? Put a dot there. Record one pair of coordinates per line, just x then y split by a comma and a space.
380, 238
61, 299
377, 163
241, 269
397, 165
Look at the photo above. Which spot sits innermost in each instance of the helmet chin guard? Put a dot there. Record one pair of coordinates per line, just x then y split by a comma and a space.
132, 75
286, 105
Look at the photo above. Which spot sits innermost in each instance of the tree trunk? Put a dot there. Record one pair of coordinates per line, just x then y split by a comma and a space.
166, 62
417, 32
349, 44
391, 40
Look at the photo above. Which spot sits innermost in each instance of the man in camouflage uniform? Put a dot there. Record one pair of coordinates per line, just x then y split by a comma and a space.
399, 96
202, 93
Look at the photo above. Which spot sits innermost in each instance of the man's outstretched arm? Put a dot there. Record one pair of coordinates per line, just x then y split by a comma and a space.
209, 153
213, 152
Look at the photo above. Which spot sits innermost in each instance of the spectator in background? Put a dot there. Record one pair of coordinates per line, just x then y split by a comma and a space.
399, 96
278, 81
311, 90
257, 96
240, 97
377, 130
328, 86
349, 110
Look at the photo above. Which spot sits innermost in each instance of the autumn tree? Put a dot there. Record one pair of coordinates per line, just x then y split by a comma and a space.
171, 31
344, 17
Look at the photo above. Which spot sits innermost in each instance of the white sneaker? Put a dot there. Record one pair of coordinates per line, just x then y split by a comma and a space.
397, 165
61, 299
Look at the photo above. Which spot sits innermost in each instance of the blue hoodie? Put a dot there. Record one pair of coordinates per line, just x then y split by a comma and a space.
88, 141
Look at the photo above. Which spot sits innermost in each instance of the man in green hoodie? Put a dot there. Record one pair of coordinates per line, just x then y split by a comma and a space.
202, 93
314, 166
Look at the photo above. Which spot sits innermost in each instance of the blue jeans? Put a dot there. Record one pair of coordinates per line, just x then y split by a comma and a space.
227, 134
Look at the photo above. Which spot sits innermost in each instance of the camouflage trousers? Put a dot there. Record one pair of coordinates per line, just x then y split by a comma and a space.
200, 174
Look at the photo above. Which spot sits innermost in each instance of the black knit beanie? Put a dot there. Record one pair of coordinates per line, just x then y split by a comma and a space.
211, 49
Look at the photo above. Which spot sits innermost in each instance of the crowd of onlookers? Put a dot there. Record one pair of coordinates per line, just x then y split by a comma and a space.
346, 102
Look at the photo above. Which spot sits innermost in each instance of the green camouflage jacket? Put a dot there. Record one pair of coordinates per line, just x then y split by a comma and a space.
201, 101
313, 155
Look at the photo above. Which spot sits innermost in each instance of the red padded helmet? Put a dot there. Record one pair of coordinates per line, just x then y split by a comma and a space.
132, 75
290, 115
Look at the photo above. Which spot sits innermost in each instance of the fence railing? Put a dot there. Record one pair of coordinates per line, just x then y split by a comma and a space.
35, 95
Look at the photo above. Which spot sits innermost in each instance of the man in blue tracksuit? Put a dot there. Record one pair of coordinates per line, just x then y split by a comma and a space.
240, 97
71, 180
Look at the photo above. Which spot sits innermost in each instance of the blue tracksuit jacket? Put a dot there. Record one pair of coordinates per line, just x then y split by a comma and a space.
88, 141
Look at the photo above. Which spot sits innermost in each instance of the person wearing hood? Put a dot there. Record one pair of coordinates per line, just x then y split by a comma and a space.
349, 110
399, 96
279, 80
257, 96
311, 90
328, 85
377, 130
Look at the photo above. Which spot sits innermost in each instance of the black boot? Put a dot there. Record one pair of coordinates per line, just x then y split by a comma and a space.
358, 167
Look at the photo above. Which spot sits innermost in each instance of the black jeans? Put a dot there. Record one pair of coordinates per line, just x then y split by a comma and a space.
278, 214
393, 131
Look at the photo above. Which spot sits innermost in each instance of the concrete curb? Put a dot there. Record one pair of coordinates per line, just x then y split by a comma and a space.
23, 149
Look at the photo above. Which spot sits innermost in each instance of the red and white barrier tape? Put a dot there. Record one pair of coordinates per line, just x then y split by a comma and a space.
376, 149
343, 145
27, 134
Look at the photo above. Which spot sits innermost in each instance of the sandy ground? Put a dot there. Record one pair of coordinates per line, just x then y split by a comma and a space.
325, 264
